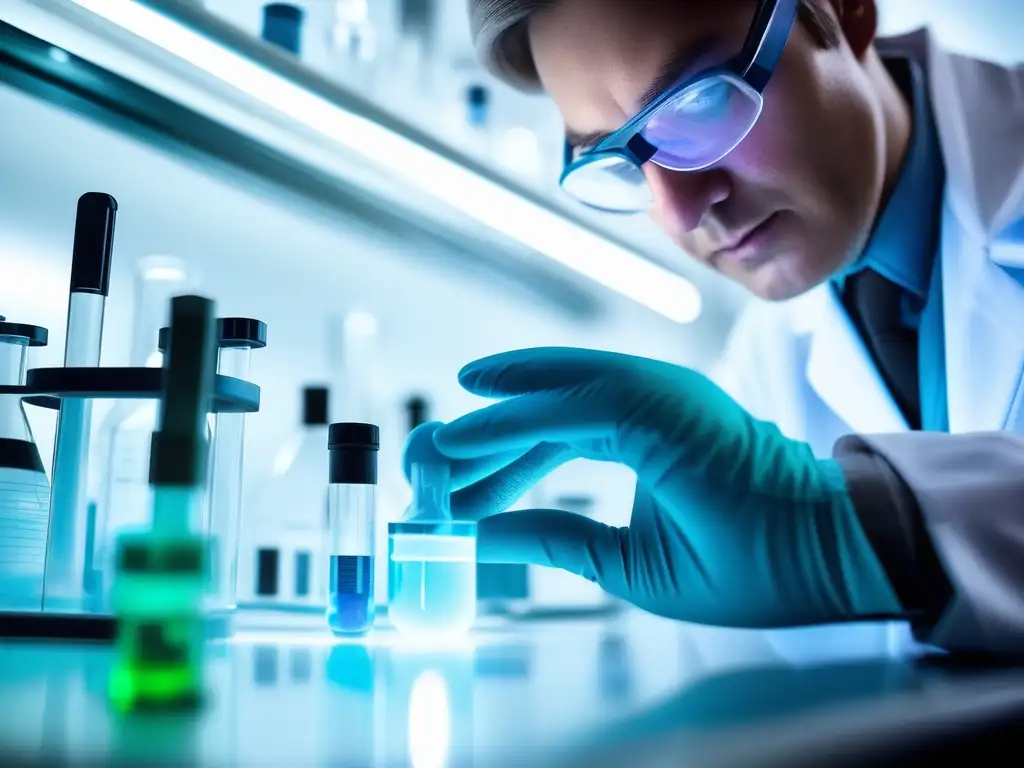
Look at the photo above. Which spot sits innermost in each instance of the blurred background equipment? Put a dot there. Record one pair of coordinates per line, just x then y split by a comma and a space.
282, 26
286, 517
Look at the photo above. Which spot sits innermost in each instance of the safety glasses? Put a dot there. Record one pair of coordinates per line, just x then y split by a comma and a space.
691, 126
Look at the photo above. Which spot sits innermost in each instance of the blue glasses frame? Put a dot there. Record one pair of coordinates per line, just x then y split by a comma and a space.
754, 65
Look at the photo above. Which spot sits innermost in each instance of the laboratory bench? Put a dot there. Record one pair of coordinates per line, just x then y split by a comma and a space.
629, 689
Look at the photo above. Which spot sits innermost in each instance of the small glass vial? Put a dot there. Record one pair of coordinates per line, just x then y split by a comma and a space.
351, 513
432, 559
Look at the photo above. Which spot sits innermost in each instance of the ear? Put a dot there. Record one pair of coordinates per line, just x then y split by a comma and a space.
859, 22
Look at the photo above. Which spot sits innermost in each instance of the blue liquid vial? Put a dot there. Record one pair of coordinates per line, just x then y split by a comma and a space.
350, 607
351, 520
432, 561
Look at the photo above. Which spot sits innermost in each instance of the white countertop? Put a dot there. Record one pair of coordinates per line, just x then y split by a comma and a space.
283, 692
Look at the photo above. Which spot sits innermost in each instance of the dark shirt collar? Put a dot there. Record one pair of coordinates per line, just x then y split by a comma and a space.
903, 244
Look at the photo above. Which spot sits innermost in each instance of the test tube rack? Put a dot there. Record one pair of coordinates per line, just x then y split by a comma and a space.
46, 388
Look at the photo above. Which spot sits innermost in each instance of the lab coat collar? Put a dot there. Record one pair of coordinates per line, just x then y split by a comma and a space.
983, 154
977, 107
984, 162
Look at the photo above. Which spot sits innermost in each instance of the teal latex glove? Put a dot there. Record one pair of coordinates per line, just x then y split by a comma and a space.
733, 523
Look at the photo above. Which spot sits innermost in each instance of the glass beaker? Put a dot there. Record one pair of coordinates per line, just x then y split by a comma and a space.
432, 562
24, 488
123, 497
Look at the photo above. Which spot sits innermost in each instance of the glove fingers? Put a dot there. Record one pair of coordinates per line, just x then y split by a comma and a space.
543, 368
420, 448
504, 487
558, 539
522, 422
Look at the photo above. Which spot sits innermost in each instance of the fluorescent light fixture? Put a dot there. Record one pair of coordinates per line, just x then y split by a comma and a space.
570, 244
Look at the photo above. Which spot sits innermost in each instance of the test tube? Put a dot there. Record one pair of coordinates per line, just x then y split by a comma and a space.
353, 451
432, 561
238, 336
160, 580
63, 580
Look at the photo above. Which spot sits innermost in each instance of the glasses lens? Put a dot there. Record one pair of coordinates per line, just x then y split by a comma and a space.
703, 123
609, 183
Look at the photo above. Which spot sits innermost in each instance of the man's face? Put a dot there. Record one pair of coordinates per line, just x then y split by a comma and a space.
789, 206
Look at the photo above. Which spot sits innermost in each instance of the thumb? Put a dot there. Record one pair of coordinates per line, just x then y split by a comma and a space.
558, 539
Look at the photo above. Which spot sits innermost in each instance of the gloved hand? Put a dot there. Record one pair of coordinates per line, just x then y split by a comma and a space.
733, 524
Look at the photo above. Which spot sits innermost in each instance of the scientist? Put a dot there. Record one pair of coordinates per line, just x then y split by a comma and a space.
858, 454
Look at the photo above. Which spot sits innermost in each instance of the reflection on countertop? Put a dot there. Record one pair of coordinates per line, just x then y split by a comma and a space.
529, 693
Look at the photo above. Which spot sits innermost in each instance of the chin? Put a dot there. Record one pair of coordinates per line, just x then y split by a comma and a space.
781, 279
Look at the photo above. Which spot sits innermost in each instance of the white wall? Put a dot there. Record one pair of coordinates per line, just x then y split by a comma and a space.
989, 29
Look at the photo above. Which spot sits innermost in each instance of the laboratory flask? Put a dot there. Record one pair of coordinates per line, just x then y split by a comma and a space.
353, 451
120, 489
238, 336
285, 520
24, 488
432, 561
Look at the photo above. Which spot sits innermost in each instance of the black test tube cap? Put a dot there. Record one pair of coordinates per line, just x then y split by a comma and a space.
94, 243
353, 453
314, 406
179, 447
232, 332
241, 332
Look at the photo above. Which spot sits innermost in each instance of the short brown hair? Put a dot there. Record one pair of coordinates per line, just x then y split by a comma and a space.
499, 33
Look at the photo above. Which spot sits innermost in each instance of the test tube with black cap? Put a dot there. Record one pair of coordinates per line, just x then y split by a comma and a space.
353, 451
160, 580
237, 337
90, 282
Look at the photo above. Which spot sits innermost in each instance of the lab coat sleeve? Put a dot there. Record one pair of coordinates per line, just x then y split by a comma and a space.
968, 490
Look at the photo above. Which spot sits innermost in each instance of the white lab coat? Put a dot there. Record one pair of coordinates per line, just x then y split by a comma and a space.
801, 364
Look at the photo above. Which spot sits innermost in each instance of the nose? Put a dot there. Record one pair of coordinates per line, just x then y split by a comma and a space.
683, 199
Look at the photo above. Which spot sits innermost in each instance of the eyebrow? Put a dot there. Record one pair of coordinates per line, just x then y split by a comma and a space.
670, 73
